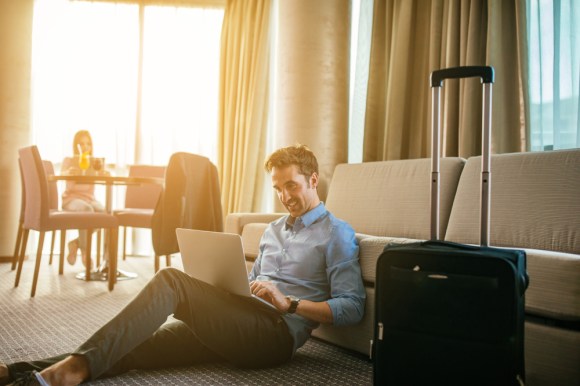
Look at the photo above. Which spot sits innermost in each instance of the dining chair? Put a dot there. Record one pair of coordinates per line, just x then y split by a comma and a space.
20, 231
140, 201
53, 204
52, 199
39, 217
190, 199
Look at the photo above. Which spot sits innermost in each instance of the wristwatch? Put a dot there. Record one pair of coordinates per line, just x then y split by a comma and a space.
293, 304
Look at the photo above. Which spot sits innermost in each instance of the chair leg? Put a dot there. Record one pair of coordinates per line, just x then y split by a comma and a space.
157, 263
168, 260
52, 246
17, 246
37, 264
112, 251
88, 262
124, 243
61, 255
21, 256
99, 243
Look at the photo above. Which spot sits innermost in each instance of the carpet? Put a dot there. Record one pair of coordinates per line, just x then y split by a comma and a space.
66, 311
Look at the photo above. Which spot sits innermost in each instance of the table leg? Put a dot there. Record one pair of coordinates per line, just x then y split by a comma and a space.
103, 272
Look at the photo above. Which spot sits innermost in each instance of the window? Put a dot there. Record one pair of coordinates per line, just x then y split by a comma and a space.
86, 75
142, 96
554, 67
360, 41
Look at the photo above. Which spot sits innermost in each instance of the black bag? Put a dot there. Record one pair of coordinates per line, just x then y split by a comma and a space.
448, 313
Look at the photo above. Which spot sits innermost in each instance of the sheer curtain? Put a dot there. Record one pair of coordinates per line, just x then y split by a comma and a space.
554, 66
180, 82
86, 76
361, 33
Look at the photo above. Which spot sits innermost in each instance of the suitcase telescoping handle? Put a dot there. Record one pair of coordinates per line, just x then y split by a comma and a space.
486, 73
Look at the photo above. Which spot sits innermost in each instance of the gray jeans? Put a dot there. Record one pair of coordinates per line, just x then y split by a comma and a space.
207, 325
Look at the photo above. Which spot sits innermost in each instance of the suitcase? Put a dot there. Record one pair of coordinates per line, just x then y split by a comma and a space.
448, 313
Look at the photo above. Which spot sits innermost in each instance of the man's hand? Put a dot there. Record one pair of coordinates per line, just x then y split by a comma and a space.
317, 311
270, 293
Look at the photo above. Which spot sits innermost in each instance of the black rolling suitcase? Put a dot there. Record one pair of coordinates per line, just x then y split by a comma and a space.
447, 313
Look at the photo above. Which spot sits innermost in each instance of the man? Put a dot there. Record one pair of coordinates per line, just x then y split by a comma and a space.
307, 268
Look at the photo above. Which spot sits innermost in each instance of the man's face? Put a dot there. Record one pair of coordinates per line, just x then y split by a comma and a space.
296, 192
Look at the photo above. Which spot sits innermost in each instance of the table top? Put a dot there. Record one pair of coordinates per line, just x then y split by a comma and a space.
105, 179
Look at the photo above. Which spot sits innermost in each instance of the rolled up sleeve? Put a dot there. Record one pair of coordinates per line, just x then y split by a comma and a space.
347, 291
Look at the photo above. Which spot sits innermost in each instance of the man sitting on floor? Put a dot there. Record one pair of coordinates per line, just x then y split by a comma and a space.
310, 261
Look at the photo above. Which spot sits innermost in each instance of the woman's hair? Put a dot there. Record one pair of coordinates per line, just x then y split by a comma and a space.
299, 155
77, 139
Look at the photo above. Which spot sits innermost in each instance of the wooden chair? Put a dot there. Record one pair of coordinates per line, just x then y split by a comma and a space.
39, 217
53, 200
140, 201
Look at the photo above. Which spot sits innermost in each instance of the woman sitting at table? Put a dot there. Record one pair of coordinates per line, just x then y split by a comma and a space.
79, 197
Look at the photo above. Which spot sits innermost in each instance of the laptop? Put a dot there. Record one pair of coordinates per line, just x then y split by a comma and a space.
218, 259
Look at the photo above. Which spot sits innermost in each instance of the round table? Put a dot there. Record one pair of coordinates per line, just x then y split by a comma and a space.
101, 273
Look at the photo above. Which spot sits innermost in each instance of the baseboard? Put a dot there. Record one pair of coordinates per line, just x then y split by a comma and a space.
8, 259
5, 259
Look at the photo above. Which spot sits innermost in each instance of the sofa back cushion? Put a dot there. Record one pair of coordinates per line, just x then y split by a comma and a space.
392, 198
535, 201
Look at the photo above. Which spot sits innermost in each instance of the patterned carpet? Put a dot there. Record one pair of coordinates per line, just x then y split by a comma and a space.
66, 311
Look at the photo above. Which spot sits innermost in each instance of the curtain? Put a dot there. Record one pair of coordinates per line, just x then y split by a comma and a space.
413, 38
243, 108
554, 84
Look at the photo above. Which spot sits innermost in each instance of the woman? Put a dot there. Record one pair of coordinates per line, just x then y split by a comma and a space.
79, 197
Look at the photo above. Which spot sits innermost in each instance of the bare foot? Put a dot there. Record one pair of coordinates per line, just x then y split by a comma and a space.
4, 375
72, 370
73, 247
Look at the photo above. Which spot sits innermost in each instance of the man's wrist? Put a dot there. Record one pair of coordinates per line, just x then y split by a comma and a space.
294, 301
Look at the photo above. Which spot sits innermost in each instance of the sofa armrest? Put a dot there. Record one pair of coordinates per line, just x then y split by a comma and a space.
235, 222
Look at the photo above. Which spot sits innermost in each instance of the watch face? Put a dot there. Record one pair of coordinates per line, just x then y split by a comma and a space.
293, 303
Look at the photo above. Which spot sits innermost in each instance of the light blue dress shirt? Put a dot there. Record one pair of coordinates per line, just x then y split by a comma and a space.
316, 258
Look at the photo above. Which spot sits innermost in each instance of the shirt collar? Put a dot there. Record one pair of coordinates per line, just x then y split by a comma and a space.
309, 217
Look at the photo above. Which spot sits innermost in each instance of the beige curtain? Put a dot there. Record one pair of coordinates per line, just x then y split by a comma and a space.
243, 104
171, 3
411, 38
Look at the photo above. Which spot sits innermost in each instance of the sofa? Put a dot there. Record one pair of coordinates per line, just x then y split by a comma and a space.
535, 206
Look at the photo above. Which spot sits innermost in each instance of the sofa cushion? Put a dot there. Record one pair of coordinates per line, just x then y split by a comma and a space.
554, 289
370, 248
392, 198
251, 235
535, 201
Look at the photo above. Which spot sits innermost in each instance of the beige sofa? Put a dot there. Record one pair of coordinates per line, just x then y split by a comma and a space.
535, 206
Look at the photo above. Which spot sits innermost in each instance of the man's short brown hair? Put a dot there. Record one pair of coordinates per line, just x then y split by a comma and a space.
299, 155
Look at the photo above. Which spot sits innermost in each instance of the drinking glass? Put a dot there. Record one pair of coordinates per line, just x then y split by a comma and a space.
98, 163
84, 162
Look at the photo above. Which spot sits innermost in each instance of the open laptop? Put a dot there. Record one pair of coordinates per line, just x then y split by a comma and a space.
218, 259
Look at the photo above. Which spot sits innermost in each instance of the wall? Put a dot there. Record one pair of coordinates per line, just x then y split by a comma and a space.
312, 75
15, 66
